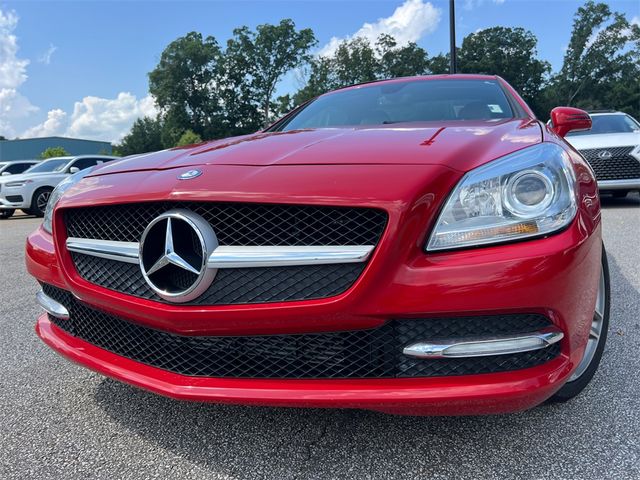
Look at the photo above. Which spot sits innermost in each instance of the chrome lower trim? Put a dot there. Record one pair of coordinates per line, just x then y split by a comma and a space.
234, 256
51, 306
287, 256
121, 251
482, 347
626, 184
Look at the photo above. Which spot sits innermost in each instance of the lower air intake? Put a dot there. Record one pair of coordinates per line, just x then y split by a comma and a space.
374, 353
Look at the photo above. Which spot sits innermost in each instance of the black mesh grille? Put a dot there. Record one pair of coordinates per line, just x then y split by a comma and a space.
243, 224
620, 166
232, 285
375, 353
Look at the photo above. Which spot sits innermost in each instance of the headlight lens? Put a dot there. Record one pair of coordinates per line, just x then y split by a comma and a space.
19, 183
527, 193
47, 221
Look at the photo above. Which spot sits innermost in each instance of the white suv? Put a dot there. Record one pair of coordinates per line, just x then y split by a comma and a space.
612, 148
30, 190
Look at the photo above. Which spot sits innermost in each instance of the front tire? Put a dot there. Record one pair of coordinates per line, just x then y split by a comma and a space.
4, 214
587, 367
39, 201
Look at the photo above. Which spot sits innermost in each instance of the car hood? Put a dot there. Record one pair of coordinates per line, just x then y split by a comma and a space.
458, 145
604, 140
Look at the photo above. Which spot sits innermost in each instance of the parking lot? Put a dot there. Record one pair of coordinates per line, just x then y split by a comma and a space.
59, 420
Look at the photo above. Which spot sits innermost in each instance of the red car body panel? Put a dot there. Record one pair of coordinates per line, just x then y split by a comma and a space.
406, 171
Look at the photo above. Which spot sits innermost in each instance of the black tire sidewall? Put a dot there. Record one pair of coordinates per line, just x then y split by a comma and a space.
572, 389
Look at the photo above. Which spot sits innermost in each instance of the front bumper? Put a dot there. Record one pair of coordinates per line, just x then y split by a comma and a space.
7, 205
553, 277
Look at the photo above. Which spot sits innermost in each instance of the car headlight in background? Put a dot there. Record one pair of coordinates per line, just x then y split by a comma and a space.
57, 193
525, 194
17, 183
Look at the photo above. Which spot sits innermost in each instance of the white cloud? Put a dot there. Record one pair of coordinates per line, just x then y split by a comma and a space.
408, 23
13, 73
471, 4
55, 124
46, 56
108, 119
96, 118
92, 117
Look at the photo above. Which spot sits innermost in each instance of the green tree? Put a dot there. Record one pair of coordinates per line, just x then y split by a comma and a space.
320, 79
508, 52
439, 64
189, 138
358, 61
601, 66
54, 152
145, 136
267, 55
395, 61
182, 82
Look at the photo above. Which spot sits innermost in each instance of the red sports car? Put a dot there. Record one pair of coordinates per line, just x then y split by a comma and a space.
418, 245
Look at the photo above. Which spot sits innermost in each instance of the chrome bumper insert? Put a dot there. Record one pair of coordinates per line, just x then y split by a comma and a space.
51, 306
482, 347
234, 256
626, 184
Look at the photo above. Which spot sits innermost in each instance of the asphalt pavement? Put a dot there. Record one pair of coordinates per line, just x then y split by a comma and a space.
59, 420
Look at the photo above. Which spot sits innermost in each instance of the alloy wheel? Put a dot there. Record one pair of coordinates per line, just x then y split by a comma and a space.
42, 200
595, 332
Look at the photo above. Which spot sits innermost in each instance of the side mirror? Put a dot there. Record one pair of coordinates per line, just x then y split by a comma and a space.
74, 170
569, 119
4, 174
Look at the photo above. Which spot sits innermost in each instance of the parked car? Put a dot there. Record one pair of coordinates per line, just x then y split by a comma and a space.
612, 148
15, 167
419, 245
30, 191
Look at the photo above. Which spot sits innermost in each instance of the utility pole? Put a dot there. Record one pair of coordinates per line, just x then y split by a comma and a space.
452, 36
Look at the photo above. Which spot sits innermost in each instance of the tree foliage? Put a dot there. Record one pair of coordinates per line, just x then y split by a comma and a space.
269, 53
601, 66
508, 52
189, 138
145, 136
357, 61
52, 152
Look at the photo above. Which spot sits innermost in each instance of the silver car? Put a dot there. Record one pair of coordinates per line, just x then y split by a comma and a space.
15, 167
30, 190
612, 148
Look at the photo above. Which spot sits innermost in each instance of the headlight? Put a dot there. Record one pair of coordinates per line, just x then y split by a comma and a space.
525, 194
19, 183
57, 193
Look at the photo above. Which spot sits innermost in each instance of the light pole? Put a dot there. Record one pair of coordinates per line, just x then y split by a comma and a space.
452, 36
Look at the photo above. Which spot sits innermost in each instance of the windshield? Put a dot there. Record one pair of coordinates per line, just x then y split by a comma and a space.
609, 124
54, 165
408, 101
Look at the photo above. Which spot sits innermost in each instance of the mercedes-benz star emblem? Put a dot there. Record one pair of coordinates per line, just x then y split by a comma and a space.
604, 154
189, 174
174, 250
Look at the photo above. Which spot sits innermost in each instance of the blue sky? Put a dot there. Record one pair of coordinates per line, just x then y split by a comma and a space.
80, 68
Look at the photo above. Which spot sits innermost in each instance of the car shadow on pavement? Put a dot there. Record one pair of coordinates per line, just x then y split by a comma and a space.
260, 442
631, 200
